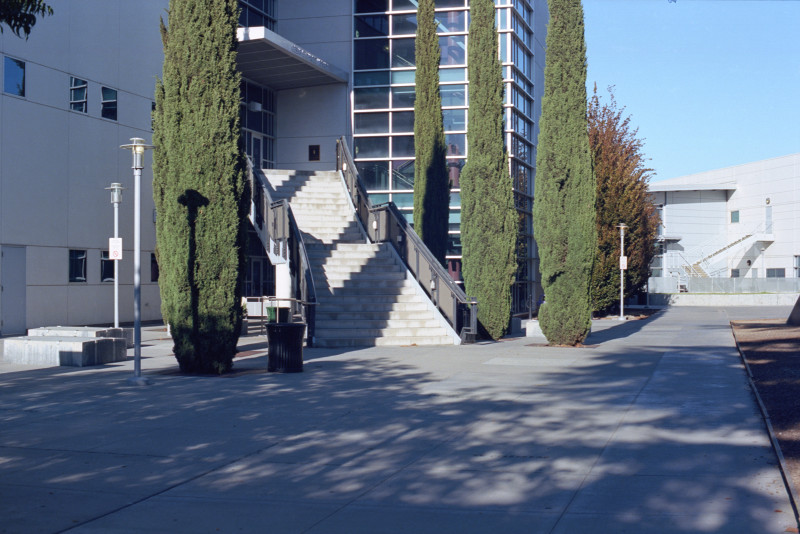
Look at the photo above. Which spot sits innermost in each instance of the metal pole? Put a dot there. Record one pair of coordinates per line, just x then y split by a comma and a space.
137, 271
137, 147
621, 272
116, 268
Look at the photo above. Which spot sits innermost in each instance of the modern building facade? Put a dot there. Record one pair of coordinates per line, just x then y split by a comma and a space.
313, 71
739, 223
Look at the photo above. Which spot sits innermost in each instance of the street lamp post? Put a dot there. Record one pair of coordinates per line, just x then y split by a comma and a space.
623, 264
137, 147
116, 199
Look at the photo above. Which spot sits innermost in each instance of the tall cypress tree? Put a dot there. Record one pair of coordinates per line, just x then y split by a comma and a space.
199, 184
431, 187
489, 224
564, 203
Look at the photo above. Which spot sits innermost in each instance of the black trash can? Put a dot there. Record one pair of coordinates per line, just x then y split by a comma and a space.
285, 347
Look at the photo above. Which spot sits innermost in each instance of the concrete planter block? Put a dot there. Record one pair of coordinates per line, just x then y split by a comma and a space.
533, 330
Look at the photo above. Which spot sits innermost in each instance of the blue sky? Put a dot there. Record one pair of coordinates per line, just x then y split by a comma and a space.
709, 83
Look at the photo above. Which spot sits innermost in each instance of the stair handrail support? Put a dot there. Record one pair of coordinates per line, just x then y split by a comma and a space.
383, 223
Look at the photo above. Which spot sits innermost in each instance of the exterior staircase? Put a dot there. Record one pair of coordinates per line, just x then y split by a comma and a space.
364, 294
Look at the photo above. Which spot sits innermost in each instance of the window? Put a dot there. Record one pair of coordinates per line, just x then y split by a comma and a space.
14, 76
734, 273
108, 103
77, 94
797, 266
153, 268
776, 273
735, 216
106, 267
77, 265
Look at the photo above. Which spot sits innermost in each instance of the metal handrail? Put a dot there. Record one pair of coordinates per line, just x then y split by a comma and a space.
287, 243
385, 223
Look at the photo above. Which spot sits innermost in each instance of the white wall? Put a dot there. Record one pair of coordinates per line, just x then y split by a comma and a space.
315, 115
55, 163
697, 215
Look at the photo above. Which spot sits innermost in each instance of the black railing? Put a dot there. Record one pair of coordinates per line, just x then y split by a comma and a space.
385, 223
276, 228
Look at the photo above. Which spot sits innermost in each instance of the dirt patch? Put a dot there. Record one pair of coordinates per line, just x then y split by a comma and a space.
771, 349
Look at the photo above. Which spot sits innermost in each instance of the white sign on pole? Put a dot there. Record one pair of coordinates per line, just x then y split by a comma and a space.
623, 262
115, 248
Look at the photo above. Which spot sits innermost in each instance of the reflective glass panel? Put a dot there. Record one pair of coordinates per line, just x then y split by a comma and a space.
371, 54
371, 147
371, 26
453, 95
403, 53
403, 97
448, 3
403, 76
403, 146
405, 24
451, 21
402, 121
371, 78
454, 50
14, 76
371, 123
371, 6
371, 98
403, 174
403, 200
453, 75
374, 173
454, 119
456, 144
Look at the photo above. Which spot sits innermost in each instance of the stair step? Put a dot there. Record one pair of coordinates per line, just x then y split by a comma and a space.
410, 332
384, 315
382, 341
377, 324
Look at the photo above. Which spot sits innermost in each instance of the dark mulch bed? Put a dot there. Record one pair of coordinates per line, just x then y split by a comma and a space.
771, 349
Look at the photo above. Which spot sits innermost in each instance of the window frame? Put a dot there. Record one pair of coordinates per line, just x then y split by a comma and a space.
109, 107
76, 270
106, 263
20, 89
73, 88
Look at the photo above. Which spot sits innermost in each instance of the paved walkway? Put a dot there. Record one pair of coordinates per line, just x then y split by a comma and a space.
652, 430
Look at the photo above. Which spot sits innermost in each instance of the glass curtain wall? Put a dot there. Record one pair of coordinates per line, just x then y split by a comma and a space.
383, 109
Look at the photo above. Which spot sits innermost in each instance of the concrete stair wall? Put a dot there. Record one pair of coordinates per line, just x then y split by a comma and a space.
365, 296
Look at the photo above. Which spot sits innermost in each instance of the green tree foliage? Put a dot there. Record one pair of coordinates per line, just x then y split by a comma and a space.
20, 15
431, 184
622, 197
199, 184
564, 203
489, 219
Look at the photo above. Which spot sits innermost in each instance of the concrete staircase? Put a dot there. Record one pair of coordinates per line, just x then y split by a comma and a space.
364, 295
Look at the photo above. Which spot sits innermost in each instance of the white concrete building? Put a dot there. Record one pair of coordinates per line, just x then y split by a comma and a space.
738, 223
79, 87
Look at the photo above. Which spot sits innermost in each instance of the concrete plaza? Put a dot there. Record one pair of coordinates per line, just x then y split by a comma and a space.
651, 428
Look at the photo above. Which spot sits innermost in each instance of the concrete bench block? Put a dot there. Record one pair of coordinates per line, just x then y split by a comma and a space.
77, 331
71, 351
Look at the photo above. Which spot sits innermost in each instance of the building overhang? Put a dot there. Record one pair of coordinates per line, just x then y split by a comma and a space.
272, 61
662, 188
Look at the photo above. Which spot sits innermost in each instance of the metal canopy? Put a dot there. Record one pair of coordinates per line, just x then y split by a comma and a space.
270, 60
